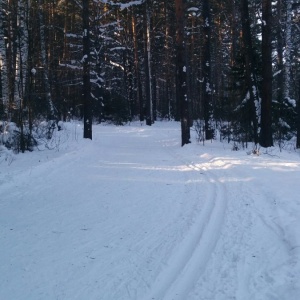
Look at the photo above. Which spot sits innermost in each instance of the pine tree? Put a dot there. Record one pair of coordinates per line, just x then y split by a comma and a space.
87, 130
181, 73
266, 139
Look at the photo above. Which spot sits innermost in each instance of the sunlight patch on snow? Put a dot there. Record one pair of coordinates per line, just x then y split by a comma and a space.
206, 156
278, 166
235, 179
134, 166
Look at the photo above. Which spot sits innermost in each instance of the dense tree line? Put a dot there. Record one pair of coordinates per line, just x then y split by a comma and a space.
230, 65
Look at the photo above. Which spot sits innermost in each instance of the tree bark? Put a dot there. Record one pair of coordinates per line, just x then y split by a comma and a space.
139, 95
298, 118
252, 86
266, 139
44, 61
87, 118
206, 69
149, 103
3, 58
288, 48
280, 77
181, 72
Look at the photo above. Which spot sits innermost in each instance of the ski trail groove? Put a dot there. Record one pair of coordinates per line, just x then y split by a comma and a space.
189, 261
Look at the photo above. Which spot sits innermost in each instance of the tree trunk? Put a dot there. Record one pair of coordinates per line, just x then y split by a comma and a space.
167, 61
250, 70
51, 109
3, 59
288, 48
181, 72
298, 118
206, 69
11, 41
279, 33
139, 95
266, 139
87, 118
149, 108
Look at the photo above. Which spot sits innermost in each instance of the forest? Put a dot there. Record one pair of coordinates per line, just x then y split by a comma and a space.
231, 66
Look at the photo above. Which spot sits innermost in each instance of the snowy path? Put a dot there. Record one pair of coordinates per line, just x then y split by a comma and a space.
132, 215
189, 261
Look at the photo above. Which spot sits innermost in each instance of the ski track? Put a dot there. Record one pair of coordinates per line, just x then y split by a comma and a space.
224, 248
252, 255
189, 260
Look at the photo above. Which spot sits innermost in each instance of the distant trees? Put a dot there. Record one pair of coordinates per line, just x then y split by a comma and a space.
235, 71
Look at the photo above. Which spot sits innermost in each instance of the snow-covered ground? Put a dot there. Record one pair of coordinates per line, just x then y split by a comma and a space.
132, 215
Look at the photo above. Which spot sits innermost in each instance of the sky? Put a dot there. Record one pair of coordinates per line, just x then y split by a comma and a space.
133, 215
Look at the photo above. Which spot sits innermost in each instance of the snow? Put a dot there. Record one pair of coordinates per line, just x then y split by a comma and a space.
132, 215
292, 102
193, 9
130, 4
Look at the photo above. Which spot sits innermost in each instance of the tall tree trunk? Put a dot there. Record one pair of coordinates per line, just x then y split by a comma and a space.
149, 103
266, 139
298, 117
280, 77
21, 99
154, 91
206, 69
288, 47
3, 57
11, 41
51, 108
251, 81
139, 95
280, 66
167, 60
181, 72
87, 118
